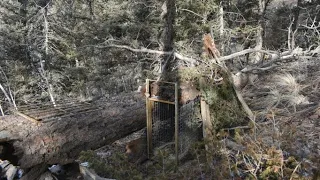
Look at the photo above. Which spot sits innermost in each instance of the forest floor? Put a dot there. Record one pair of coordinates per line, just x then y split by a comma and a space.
286, 104
284, 140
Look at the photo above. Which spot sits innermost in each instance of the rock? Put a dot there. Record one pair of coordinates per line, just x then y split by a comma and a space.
7, 170
5, 136
90, 175
56, 169
47, 176
11, 172
4, 163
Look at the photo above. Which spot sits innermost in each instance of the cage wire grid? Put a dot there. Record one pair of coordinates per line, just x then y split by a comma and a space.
162, 122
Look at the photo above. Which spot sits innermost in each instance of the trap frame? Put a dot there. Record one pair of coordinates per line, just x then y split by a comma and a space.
168, 123
162, 116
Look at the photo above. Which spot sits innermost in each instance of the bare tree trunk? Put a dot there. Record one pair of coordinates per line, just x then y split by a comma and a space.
9, 96
294, 26
6, 94
1, 109
168, 25
260, 31
296, 14
46, 76
221, 28
23, 10
168, 16
91, 7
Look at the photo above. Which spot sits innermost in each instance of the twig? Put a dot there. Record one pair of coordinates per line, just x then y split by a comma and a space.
295, 169
2, 113
192, 13
238, 127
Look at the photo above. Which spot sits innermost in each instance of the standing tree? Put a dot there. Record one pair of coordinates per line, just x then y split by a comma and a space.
168, 17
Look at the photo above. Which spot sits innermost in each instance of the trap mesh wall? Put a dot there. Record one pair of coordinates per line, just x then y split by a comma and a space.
161, 120
189, 127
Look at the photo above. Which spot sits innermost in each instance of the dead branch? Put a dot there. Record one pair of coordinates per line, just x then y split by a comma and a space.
250, 69
274, 56
151, 51
191, 60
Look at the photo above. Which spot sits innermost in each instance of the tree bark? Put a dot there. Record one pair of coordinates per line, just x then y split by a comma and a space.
294, 26
168, 16
296, 14
61, 140
260, 31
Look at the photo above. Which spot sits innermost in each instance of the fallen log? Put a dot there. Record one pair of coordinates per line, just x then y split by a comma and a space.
61, 140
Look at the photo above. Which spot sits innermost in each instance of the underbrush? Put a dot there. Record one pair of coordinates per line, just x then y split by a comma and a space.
281, 142
258, 152
117, 166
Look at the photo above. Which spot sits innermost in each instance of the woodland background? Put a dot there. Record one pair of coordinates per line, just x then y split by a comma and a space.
87, 49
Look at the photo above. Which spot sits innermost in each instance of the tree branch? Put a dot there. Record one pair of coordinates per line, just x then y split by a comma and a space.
192, 12
244, 52
151, 51
275, 56
179, 56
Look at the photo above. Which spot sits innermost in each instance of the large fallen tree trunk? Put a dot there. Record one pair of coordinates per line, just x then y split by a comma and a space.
61, 140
